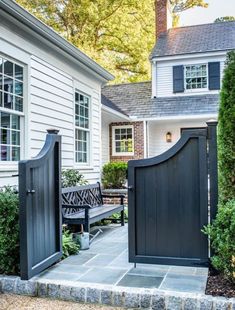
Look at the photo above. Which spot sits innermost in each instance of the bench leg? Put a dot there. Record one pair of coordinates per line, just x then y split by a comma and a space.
122, 218
87, 222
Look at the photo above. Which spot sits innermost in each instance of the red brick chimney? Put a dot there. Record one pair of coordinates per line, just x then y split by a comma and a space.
162, 17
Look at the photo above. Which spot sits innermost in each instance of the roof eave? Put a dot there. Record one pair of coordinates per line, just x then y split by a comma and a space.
20, 14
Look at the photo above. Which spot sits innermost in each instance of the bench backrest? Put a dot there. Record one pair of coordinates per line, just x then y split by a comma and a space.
81, 195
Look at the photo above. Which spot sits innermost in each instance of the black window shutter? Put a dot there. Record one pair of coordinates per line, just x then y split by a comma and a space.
214, 75
178, 79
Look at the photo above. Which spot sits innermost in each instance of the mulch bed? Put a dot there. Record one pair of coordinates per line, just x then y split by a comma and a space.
218, 285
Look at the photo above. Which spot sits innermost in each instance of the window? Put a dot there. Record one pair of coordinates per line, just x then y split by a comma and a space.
82, 128
123, 142
11, 108
196, 77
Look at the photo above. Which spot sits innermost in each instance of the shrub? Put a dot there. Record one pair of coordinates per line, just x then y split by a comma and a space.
72, 177
226, 132
114, 175
9, 231
69, 246
222, 235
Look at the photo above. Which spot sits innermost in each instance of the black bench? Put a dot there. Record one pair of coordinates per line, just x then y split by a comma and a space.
85, 205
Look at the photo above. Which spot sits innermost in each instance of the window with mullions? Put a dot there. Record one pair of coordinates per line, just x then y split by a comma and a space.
196, 77
123, 140
11, 108
10, 137
82, 128
11, 85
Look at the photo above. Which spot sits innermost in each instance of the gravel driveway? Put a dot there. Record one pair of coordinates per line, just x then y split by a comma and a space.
16, 302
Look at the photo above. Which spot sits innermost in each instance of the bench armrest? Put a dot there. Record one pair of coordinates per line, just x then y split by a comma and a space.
76, 206
120, 196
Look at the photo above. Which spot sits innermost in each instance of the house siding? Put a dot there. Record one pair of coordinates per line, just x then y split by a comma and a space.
157, 134
164, 71
50, 85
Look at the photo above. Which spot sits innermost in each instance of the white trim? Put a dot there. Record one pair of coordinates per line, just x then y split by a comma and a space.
110, 110
154, 79
145, 139
180, 117
114, 153
88, 163
189, 55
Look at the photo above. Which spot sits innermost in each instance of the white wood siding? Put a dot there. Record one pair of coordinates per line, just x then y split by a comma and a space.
164, 73
157, 134
49, 103
105, 138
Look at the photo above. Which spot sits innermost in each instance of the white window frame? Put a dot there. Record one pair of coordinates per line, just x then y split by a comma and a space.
7, 164
86, 164
114, 153
196, 89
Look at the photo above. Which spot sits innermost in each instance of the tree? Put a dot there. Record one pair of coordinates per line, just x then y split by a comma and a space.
118, 34
179, 6
225, 19
226, 132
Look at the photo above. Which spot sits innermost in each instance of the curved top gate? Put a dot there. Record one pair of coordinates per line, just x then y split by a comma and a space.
168, 201
40, 208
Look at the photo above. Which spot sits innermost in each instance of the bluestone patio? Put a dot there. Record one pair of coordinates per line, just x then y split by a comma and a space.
106, 263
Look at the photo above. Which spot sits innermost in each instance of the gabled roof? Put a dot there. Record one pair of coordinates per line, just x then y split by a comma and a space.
15, 13
196, 39
134, 99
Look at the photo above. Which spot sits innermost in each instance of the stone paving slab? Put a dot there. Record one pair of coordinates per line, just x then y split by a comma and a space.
102, 276
106, 262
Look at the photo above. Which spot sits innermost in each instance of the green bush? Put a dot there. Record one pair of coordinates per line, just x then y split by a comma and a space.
222, 235
114, 175
9, 231
72, 177
226, 132
69, 246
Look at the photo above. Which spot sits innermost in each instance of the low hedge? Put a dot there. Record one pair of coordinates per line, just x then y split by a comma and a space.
9, 232
222, 235
114, 175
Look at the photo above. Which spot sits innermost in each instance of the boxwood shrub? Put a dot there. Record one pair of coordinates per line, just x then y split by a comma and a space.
114, 175
222, 235
9, 231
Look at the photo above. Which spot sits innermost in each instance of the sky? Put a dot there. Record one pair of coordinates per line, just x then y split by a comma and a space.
216, 8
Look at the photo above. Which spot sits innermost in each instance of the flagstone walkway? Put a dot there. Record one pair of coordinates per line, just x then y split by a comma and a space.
106, 262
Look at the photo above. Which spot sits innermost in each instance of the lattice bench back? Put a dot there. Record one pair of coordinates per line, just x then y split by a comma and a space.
81, 195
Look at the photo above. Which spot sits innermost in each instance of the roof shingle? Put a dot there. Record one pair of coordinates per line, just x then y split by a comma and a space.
134, 99
196, 39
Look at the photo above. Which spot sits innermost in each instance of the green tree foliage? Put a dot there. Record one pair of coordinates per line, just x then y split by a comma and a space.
225, 19
179, 6
226, 132
118, 34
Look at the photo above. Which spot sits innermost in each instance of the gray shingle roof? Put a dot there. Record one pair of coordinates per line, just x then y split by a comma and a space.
108, 103
196, 39
134, 99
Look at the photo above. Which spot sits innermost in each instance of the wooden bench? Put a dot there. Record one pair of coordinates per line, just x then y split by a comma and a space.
85, 205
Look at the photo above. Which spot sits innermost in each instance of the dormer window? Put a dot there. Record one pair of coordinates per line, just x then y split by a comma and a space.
196, 77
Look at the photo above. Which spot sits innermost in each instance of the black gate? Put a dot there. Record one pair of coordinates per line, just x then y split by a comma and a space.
40, 208
170, 199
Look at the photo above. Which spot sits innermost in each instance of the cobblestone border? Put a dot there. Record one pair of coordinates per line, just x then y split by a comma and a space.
153, 299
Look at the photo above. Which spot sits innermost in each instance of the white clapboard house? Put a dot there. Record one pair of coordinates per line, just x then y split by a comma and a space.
45, 82
145, 119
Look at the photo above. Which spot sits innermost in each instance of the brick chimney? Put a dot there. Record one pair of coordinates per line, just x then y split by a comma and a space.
163, 20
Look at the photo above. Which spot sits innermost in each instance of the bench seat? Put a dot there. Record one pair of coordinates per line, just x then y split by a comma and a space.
84, 205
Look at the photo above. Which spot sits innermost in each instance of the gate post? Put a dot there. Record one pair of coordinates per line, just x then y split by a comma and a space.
213, 167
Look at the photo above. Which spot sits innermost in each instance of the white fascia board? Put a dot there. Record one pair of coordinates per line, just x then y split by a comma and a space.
38, 27
177, 118
188, 56
119, 114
